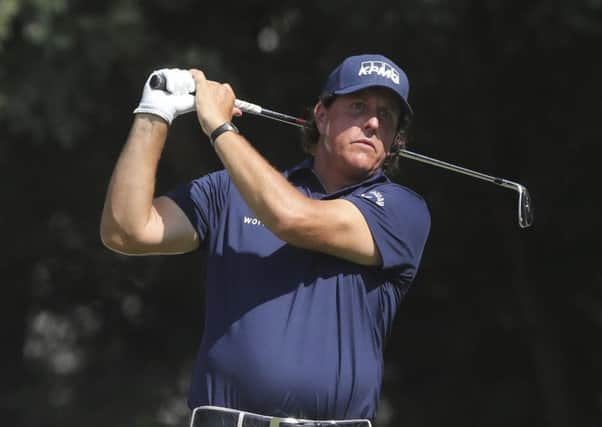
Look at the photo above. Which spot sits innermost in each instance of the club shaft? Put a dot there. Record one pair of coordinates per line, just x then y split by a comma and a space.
259, 111
455, 168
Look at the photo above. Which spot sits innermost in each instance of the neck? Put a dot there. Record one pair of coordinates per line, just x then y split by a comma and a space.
331, 178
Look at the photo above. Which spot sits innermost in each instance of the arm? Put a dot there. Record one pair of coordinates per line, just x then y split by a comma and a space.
132, 221
334, 227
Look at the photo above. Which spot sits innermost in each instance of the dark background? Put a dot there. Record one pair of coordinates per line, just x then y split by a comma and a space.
503, 326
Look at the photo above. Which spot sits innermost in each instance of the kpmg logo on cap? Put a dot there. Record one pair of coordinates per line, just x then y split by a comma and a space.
380, 68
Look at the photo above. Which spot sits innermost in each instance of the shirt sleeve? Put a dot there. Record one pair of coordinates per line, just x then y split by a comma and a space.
202, 200
399, 221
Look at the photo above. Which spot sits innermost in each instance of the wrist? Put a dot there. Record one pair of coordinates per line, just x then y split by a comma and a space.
220, 130
155, 112
150, 124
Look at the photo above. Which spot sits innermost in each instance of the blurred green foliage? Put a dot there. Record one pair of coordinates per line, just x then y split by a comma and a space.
503, 327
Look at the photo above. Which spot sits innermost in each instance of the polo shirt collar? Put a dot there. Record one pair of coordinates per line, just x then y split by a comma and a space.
305, 170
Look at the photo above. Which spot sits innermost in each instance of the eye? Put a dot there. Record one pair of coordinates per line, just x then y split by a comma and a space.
385, 114
358, 106
388, 116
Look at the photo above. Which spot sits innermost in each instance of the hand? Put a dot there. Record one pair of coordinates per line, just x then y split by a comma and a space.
214, 102
176, 100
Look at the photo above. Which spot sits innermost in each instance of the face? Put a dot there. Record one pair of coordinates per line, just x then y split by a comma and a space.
357, 131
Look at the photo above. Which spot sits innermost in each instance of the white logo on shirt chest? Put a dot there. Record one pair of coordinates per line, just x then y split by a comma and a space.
251, 221
375, 196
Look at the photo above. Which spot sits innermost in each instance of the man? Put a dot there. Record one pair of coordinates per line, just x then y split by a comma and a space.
306, 269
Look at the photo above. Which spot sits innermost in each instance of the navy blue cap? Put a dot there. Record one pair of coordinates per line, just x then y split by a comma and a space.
364, 71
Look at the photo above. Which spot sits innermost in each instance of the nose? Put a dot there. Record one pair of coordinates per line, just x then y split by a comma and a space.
371, 123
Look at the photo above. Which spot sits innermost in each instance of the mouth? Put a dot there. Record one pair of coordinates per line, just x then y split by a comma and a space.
366, 143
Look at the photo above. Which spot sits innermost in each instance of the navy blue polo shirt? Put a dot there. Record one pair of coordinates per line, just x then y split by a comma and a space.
294, 332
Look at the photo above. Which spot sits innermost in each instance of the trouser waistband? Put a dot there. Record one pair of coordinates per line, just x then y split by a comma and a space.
215, 416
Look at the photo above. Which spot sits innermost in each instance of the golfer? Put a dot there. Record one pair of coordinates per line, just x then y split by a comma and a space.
305, 269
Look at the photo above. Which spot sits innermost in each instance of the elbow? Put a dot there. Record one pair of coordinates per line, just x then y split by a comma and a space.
116, 238
281, 231
110, 237
292, 220
120, 243
289, 225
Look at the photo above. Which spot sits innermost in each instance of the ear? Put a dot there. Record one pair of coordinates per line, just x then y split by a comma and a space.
320, 117
398, 141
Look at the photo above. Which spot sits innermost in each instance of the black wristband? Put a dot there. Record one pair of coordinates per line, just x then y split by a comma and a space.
228, 126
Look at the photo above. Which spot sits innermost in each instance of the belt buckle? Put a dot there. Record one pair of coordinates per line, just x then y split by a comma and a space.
276, 421
285, 422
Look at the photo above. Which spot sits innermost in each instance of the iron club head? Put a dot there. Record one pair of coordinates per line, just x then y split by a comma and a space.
525, 208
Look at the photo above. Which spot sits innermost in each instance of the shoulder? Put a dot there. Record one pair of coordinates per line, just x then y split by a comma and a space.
390, 194
213, 182
399, 221
395, 208
218, 177
203, 192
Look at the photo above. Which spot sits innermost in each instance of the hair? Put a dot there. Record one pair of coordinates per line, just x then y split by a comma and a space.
311, 136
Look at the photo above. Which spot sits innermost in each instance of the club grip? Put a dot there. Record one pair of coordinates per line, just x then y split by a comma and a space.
158, 81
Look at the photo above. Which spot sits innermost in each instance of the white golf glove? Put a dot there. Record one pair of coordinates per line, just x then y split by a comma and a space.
168, 104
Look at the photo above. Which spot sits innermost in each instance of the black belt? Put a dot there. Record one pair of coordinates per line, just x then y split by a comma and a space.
214, 416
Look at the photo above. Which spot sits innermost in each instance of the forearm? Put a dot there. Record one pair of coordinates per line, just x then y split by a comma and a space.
274, 200
128, 203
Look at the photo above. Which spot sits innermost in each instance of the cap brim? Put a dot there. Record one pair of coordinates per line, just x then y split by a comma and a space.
351, 89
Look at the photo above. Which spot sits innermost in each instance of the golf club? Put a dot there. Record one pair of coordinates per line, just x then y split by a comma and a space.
525, 208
